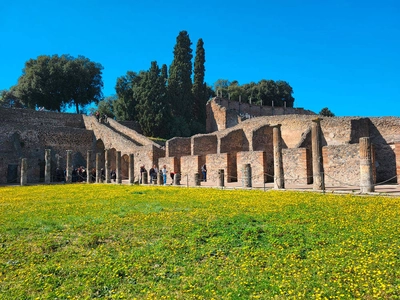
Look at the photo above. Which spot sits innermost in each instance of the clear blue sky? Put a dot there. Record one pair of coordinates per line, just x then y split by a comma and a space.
340, 54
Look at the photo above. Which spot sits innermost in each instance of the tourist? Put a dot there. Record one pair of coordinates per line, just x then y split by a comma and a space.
113, 175
103, 175
153, 174
204, 172
164, 173
93, 175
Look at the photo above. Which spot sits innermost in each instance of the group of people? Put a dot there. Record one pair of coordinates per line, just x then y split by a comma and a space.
153, 173
80, 174
102, 118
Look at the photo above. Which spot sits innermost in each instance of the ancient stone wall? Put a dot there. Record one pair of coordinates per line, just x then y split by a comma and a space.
233, 141
221, 113
224, 161
178, 146
341, 165
27, 133
190, 165
215, 117
129, 133
296, 166
203, 144
258, 162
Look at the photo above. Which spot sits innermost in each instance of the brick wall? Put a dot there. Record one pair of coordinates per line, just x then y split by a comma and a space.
258, 162
177, 147
190, 165
225, 161
341, 165
296, 166
233, 141
203, 144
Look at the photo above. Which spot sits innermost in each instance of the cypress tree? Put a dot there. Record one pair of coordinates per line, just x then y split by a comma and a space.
199, 87
152, 109
179, 81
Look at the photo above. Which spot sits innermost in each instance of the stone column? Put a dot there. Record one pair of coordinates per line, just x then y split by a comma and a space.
118, 167
221, 177
107, 165
177, 179
58, 157
246, 175
98, 171
88, 159
160, 178
47, 166
131, 169
145, 178
366, 178
24, 171
318, 172
279, 178
68, 175
196, 179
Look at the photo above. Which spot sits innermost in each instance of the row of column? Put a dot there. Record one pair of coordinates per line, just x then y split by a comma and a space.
366, 175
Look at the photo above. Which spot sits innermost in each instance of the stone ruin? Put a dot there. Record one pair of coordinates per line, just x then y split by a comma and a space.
285, 147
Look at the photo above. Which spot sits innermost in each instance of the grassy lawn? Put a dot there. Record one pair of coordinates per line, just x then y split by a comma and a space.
124, 242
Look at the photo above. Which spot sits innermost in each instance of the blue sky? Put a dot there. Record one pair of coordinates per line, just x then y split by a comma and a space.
341, 54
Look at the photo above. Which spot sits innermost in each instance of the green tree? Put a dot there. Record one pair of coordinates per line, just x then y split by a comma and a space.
221, 87
84, 82
152, 109
326, 112
106, 106
179, 80
125, 106
10, 99
56, 82
199, 86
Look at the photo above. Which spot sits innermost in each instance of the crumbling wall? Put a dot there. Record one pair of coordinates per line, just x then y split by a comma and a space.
258, 162
190, 165
341, 165
178, 146
296, 166
203, 144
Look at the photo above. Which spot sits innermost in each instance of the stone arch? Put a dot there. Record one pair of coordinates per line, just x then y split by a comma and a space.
204, 144
233, 142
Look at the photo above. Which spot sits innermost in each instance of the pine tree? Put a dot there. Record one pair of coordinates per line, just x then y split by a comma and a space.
179, 81
199, 86
152, 109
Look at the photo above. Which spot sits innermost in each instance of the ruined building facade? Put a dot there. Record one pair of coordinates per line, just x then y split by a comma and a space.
231, 143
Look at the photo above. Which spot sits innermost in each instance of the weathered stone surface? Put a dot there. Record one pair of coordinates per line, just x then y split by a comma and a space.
258, 163
27, 133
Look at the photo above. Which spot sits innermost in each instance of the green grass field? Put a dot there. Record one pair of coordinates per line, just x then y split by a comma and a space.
131, 242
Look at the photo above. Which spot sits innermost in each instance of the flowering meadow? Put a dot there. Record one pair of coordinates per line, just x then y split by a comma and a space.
132, 242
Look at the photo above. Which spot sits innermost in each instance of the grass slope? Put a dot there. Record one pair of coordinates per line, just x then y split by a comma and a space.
126, 242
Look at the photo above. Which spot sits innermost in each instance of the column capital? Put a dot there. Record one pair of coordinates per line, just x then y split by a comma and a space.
317, 120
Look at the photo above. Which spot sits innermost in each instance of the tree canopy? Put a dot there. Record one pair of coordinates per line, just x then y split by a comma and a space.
57, 82
326, 112
264, 92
